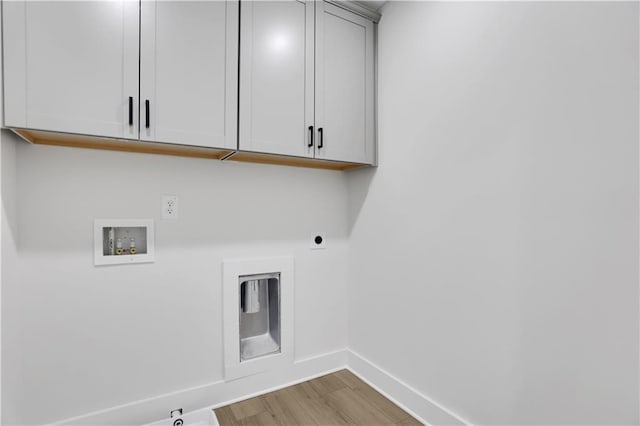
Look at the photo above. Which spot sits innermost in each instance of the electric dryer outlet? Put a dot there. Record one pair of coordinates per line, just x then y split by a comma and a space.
318, 241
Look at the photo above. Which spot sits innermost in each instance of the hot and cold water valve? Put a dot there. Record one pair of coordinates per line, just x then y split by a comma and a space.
122, 241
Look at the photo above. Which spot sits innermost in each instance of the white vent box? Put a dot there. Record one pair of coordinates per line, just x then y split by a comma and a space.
258, 315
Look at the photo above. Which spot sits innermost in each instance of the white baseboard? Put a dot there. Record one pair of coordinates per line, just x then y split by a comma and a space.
214, 394
220, 393
406, 397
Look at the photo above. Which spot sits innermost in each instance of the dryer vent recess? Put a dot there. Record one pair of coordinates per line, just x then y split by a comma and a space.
318, 241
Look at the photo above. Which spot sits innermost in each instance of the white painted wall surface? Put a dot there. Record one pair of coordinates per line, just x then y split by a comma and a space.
11, 371
2, 229
494, 252
94, 337
493, 255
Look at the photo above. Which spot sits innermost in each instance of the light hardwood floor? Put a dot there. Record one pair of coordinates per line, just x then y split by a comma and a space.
339, 398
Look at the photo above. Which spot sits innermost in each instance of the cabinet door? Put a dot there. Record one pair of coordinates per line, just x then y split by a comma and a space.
188, 72
344, 85
276, 77
71, 66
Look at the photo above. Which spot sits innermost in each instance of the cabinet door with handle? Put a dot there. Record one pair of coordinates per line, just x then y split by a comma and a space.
188, 72
344, 113
276, 77
72, 66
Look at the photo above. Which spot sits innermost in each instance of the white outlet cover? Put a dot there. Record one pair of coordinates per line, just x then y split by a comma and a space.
169, 206
318, 241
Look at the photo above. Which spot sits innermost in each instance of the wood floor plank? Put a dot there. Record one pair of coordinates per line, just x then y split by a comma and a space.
409, 421
337, 399
349, 379
307, 390
359, 386
248, 408
390, 409
225, 416
356, 408
262, 419
327, 384
286, 410
315, 405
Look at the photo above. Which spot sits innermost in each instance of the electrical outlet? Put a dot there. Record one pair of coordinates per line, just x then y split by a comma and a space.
169, 206
318, 241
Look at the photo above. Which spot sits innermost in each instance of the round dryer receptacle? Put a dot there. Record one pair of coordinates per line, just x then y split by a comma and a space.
318, 240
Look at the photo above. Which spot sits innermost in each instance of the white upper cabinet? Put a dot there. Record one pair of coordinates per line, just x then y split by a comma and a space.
344, 112
287, 78
306, 81
189, 72
72, 66
78, 66
276, 77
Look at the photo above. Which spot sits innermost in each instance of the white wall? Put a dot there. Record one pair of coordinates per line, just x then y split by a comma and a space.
10, 360
94, 337
494, 253
492, 256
